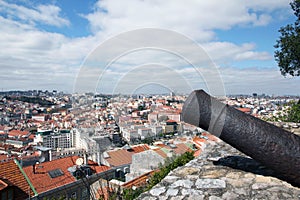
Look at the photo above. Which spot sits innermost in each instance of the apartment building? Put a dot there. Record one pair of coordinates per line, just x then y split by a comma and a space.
55, 139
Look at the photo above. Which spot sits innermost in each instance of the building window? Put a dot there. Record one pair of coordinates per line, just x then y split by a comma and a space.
7, 195
4, 196
73, 196
10, 194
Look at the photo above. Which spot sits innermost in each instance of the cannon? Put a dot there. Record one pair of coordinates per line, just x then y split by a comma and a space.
266, 143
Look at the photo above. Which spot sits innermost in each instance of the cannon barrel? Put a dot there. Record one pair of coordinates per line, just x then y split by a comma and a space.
268, 144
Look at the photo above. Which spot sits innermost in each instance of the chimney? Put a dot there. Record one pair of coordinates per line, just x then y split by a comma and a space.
85, 159
50, 155
33, 168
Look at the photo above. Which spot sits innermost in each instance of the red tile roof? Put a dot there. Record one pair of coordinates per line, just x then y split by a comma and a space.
140, 148
3, 128
182, 148
123, 156
11, 172
171, 121
198, 141
3, 157
197, 153
104, 193
161, 145
182, 139
31, 136
119, 157
211, 137
42, 180
16, 133
245, 110
139, 181
160, 152
98, 168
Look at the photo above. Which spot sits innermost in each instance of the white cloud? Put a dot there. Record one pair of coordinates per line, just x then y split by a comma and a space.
235, 80
196, 19
268, 5
260, 80
31, 58
226, 51
45, 14
35, 58
262, 20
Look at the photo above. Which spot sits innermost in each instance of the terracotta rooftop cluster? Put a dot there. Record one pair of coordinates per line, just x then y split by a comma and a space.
32, 181
262, 106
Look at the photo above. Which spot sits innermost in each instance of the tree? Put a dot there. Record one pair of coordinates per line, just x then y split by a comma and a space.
293, 114
287, 53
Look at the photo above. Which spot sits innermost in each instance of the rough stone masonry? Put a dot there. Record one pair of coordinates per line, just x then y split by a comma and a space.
222, 172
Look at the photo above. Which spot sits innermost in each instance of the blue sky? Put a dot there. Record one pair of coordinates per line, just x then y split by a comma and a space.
47, 43
73, 11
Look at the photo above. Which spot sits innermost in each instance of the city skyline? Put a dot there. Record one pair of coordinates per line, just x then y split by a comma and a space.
47, 44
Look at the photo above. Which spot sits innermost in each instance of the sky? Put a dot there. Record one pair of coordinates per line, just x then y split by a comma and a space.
117, 46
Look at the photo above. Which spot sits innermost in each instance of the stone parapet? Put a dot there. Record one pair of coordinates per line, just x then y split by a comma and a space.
222, 172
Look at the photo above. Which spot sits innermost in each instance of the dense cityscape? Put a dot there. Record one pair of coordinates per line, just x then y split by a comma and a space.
149, 100
117, 138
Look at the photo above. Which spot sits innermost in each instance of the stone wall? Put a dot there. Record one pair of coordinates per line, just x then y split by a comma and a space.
143, 162
222, 172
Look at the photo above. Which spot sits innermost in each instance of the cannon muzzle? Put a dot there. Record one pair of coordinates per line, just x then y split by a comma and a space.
268, 144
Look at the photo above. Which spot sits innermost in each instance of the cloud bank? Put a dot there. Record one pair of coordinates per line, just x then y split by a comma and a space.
33, 58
